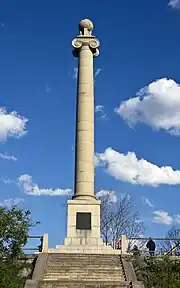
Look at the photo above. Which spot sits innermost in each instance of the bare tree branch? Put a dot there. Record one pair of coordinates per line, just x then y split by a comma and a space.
119, 218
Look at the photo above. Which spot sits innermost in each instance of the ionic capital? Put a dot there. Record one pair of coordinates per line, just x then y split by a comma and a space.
91, 42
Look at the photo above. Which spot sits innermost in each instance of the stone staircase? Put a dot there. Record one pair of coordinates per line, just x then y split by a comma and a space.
83, 270
78, 270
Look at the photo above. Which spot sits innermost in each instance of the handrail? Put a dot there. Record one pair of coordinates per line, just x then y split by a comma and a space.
34, 236
153, 238
35, 248
43, 247
173, 248
125, 241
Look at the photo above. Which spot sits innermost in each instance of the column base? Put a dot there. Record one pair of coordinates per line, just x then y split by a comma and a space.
83, 223
83, 242
83, 230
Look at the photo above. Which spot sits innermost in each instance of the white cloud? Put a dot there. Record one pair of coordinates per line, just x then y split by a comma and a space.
6, 180
11, 202
148, 202
97, 72
162, 217
11, 125
30, 188
7, 157
177, 219
112, 195
174, 4
157, 105
127, 168
75, 73
47, 88
100, 109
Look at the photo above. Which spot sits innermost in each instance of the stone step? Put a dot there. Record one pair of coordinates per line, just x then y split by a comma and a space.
72, 255
85, 260
90, 271
84, 275
78, 255
84, 265
82, 284
80, 262
85, 269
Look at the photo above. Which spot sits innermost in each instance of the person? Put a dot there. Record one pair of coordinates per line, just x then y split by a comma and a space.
151, 246
135, 248
119, 244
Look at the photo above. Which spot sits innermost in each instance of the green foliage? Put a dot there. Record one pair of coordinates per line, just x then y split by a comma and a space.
158, 272
10, 274
14, 227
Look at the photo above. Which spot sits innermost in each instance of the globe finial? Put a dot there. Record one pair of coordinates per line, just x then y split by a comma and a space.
86, 27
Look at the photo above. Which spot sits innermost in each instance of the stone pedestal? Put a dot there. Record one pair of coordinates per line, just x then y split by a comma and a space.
83, 223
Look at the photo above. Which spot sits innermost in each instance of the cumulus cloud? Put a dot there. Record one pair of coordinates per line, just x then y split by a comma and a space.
174, 4
148, 202
162, 217
11, 125
11, 202
30, 188
156, 105
100, 110
128, 168
111, 195
7, 157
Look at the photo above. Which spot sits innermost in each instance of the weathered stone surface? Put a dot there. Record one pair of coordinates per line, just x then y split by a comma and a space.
55, 284
83, 270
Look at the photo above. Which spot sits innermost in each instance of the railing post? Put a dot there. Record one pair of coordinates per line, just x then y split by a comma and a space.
123, 244
45, 243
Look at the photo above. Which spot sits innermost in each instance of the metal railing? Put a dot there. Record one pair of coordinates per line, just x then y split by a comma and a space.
164, 246
43, 245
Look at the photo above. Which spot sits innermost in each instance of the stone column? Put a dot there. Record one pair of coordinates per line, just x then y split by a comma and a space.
85, 48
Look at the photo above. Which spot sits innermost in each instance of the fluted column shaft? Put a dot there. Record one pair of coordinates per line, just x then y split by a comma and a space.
85, 48
84, 166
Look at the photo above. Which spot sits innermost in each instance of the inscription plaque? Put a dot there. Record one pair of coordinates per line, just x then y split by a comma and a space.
83, 221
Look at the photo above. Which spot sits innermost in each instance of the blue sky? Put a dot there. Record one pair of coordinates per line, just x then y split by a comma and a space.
137, 133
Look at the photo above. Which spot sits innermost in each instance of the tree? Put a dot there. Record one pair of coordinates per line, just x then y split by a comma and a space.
118, 217
156, 272
14, 226
167, 245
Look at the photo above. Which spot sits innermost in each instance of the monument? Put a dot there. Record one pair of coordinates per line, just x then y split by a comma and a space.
83, 219
83, 224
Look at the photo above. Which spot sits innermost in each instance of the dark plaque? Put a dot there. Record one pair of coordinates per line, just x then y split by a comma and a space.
83, 221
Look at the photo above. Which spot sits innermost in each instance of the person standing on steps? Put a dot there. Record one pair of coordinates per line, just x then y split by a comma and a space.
151, 246
119, 244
